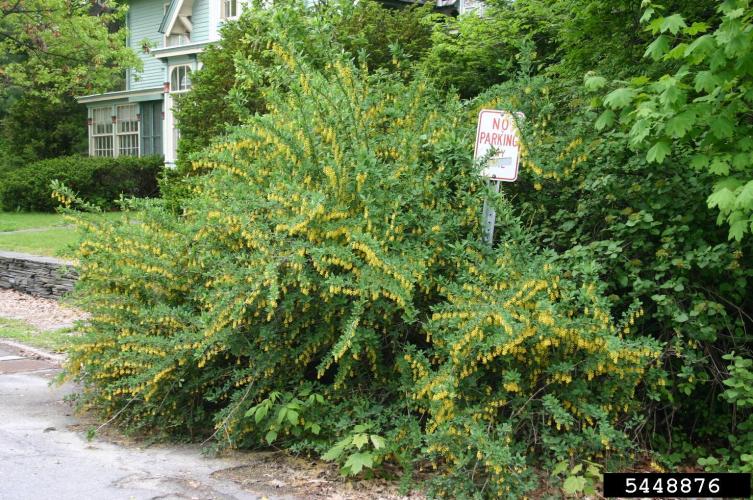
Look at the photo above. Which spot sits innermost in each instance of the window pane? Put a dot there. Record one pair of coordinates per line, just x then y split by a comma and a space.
128, 118
103, 146
102, 121
128, 130
180, 79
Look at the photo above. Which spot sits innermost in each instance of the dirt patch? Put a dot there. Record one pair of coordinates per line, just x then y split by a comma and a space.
44, 314
279, 474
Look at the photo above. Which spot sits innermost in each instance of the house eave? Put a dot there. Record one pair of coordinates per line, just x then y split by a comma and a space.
169, 18
121, 94
179, 50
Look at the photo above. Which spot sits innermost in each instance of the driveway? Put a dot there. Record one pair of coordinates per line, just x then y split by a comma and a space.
44, 453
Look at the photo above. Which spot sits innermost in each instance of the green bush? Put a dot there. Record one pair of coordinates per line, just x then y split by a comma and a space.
649, 234
100, 181
325, 289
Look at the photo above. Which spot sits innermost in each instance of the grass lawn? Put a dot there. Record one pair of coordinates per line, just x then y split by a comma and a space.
52, 340
50, 235
13, 221
50, 242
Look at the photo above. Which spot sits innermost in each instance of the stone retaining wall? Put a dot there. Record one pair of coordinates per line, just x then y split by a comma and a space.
38, 276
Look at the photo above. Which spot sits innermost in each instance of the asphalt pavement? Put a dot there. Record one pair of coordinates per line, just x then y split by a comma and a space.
44, 453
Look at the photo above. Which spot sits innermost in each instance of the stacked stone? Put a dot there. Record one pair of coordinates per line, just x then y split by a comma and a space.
39, 276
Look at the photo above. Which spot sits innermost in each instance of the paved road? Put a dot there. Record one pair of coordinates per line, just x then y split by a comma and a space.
42, 458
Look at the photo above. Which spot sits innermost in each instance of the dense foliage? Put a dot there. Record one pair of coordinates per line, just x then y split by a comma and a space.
222, 97
34, 128
702, 106
318, 283
54, 48
101, 181
313, 294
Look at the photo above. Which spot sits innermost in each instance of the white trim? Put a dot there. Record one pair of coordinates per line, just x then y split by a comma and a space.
169, 149
214, 20
223, 14
120, 135
121, 94
176, 13
93, 136
179, 50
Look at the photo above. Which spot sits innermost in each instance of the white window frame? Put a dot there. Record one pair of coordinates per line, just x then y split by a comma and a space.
96, 136
187, 70
177, 39
113, 132
224, 7
128, 140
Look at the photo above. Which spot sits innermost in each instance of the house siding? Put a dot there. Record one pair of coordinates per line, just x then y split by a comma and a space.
144, 17
200, 21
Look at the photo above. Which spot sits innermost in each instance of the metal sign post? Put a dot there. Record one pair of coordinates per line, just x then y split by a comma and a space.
490, 217
497, 135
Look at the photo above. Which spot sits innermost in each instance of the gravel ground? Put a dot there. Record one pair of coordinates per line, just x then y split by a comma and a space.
44, 314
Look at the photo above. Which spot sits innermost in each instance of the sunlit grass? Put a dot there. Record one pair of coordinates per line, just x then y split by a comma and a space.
20, 331
52, 235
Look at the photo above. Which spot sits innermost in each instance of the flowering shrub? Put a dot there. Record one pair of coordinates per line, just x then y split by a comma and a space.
332, 248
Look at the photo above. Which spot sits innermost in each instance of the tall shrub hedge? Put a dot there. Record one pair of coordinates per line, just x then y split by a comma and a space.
326, 290
100, 181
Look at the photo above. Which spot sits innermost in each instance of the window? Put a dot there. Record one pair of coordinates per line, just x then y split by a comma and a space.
115, 131
128, 130
229, 9
102, 132
180, 79
177, 39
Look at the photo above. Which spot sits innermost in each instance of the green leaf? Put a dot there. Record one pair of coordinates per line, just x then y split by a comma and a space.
292, 417
261, 412
700, 46
270, 437
595, 82
574, 484
722, 127
680, 124
745, 196
337, 450
678, 52
738, 229
605, 119
696, 28
619, 98
316, 429
658, 152
646, 17
657, 48
357, 461
360, 439
723, 198
719, 166
706, 81
673, 24
377, 441
699, 162
559, 468
281, 415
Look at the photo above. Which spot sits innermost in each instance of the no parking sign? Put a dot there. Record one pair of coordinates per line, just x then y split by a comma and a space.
498, 130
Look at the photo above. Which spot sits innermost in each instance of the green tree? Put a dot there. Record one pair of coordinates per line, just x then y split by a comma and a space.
52, 48
700, 107
35, 128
